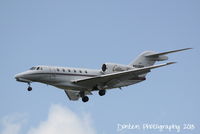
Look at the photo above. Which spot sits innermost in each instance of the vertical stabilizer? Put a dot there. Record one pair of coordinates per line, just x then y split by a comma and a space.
142, 60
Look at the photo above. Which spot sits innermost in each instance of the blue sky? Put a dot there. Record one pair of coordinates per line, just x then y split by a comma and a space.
88, 34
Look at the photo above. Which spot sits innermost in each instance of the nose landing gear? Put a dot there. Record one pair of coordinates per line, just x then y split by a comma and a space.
29, 87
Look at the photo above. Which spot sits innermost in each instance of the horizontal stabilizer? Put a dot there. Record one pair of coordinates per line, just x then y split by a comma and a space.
164, 53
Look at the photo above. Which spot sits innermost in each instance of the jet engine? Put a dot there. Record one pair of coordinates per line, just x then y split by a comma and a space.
112, 67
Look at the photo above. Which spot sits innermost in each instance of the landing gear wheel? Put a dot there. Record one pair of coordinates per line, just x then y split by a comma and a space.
102, 92
29, 88
85, 99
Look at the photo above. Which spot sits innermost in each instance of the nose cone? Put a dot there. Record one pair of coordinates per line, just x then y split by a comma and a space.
17, 76
21, 77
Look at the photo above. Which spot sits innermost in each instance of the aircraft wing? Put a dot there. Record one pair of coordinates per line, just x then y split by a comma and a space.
164, 53
72, 95
102, 79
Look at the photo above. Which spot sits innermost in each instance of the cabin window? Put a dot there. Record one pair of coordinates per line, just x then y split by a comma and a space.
74, 71
63, 70
85, 71
69, 70
58, 70
80, 71
41, 68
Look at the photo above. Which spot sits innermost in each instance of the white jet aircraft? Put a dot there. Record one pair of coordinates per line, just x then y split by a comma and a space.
79, 82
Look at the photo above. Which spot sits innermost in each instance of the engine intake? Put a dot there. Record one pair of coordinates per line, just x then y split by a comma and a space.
104, 67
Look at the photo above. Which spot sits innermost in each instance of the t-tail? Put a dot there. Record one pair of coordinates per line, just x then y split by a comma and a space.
148, 58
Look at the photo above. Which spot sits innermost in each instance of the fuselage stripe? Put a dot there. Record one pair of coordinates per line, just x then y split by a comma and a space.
87, 75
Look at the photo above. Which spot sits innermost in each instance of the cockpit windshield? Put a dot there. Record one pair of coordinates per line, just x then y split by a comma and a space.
36, 68
33, 68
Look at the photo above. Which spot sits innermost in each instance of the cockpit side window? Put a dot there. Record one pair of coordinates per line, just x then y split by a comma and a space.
38, 68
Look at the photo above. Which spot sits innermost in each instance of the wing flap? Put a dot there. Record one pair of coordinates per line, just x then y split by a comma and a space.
90, 82
72, 95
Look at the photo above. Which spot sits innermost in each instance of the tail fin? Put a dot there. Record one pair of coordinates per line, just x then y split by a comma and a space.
148, 58
142, 60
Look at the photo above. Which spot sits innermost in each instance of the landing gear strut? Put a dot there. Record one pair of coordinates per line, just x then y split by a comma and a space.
102, 92
29, 87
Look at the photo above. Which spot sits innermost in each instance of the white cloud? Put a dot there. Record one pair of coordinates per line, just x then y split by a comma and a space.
60, 120
12, 124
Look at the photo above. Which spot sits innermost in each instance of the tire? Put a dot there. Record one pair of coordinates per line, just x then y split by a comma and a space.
102, 92
29, 88
85, 99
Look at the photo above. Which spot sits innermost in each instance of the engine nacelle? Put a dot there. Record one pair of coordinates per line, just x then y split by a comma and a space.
112, 67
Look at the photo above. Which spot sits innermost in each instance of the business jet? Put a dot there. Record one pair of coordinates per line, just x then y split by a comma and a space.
79, 82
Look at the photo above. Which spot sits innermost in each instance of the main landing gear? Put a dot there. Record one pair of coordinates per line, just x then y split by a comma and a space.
102, 92
29, 87
84, 97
